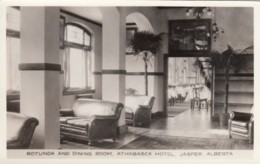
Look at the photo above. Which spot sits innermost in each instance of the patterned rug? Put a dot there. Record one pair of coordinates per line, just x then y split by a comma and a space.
174, 142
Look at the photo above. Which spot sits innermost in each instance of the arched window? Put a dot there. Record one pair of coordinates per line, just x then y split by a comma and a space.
13, 50
77, 59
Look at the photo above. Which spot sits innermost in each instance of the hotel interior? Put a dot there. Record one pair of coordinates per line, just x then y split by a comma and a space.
87, 77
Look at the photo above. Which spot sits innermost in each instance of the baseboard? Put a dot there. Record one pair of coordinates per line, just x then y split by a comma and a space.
121, 129
158, 114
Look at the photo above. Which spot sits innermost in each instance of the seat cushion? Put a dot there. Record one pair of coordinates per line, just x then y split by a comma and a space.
129, 110
239, 123
239, 130
64, 120
80, 122
129, 115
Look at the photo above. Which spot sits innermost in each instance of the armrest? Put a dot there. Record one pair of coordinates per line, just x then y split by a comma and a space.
240, 116
231, 115
100, 124
144, 107
102, 117
66, 112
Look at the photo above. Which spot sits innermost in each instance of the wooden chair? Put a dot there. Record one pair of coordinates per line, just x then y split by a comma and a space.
196, 101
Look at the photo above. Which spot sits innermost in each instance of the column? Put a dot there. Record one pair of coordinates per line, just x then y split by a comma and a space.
113, 61
40, 73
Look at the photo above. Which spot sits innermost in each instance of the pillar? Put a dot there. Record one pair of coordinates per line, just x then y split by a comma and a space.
40, 73
113, 61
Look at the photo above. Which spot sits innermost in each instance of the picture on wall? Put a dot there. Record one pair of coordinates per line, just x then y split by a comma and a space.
189, 36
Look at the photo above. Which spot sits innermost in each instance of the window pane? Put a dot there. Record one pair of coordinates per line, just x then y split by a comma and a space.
86, 39
13, 60
13, 19
77, 68
74, 34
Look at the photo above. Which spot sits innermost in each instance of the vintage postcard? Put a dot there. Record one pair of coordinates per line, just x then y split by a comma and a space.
121, 80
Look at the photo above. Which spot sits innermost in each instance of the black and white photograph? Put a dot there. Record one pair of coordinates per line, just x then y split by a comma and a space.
171, 81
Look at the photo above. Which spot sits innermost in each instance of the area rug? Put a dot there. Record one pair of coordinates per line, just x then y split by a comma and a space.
174, 142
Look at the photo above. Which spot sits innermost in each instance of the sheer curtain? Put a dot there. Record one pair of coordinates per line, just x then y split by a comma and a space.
77, 58
13, 48
13, 60
78, 69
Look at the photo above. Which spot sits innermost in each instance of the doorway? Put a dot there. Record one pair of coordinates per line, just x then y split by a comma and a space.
188, 84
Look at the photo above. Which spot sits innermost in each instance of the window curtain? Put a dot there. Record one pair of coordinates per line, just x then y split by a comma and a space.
77, 68
66, 68
13, 60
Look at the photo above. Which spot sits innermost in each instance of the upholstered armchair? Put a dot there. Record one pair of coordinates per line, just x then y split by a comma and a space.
20, 130
242, 124
90, 120
138, 109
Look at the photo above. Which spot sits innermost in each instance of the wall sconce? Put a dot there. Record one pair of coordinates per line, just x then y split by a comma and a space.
216, 30
199, 12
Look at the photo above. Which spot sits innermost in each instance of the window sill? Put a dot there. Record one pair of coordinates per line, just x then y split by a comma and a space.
77, 92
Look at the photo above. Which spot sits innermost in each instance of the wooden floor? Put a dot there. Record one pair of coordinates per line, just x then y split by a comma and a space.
190, 123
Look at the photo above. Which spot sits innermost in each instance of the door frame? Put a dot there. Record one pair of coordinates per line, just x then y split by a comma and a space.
165, 88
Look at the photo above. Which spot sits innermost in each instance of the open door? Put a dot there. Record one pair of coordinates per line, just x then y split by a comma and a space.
188, 84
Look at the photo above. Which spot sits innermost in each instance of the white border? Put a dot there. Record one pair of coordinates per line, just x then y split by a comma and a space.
3, 4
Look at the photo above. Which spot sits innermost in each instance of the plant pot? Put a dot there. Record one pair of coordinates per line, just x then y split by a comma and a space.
223, 119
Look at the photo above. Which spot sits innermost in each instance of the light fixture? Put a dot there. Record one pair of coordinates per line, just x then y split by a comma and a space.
198, 12
216, 30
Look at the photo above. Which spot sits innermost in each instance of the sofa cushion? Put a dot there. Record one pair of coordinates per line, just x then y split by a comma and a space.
239, 130
129, 110
239, 123
129, 115
90, 107
64, 120
80, 122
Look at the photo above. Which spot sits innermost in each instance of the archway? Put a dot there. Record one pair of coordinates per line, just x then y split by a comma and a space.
140, 20
135, 83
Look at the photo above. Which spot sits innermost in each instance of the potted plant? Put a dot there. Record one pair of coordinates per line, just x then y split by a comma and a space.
232, 63
146, 45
